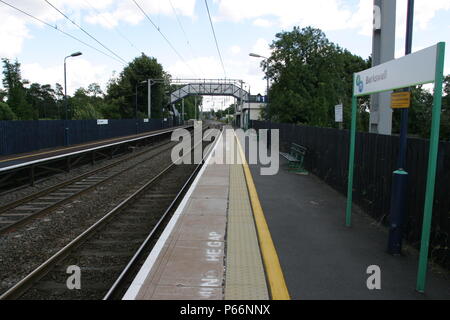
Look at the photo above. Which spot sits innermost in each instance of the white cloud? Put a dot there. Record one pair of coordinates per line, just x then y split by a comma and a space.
261, 47
262, 23
128, 12
80, 73
235, 49
12, 35
324, 14
14, 26
425, 10
210, 68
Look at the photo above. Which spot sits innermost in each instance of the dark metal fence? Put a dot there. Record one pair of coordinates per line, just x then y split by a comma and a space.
375, 160
27, 136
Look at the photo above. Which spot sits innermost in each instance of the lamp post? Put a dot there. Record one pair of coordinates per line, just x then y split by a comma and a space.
267, 78
66, 129
151, 82
136, 103
269, 133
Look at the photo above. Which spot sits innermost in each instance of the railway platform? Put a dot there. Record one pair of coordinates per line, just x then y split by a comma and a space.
240, 235
17, 160
209, 249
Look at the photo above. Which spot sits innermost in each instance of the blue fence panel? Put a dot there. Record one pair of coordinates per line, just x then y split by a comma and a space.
27, 136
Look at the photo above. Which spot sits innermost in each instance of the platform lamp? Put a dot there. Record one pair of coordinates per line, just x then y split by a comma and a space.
267, 76
269, 141
66, 128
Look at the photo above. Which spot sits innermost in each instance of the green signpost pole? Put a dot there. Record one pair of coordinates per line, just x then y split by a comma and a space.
432, 160
351, 164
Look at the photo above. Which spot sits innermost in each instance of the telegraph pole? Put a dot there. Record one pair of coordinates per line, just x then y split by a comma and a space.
149, 111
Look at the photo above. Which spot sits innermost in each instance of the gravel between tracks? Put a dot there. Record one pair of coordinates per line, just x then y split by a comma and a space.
61, 177
26, 248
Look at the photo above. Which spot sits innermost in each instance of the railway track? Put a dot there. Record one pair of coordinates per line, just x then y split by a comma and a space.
106, 251
19, 212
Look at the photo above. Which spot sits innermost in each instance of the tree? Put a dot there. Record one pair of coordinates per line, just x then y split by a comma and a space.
84, 106
420, 113
310, 75
16, 97
94, 90
189, 105
121, 90
5, 112
42, 98
3, 95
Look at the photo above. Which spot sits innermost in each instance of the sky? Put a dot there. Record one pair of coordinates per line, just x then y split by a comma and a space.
241, 27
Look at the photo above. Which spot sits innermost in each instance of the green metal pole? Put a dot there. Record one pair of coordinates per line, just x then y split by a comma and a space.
432, 160
351, 165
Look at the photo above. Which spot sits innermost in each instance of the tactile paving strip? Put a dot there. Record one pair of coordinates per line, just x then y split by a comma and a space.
245, 278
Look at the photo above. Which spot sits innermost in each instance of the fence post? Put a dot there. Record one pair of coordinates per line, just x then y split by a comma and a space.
351, 166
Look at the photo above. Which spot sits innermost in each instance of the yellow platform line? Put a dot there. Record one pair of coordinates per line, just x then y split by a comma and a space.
277, 284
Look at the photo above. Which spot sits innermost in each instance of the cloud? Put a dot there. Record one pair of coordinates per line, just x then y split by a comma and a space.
262, 23
209, 67
425, 11
235, 49
14, 26
325, 14
261, 47
328, 15
128, 12
12, 35
80, 72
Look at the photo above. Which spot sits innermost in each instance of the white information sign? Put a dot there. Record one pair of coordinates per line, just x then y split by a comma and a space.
410, 70
146, 120
102, 121
338, 113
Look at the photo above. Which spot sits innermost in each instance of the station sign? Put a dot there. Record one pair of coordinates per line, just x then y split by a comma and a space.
400, 100
338, 113
413, 69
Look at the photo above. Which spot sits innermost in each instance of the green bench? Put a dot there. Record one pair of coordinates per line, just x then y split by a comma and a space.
296, 157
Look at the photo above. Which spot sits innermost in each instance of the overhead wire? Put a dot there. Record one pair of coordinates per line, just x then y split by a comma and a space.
59, 30
164, 36
112, 26
185, 35
84, 31
215, 38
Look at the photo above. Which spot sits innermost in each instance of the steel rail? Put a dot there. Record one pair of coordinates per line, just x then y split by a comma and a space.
119, 282
24, 284
37, 195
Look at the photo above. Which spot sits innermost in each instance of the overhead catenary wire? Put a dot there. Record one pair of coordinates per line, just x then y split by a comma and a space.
164, 36
185, 35
112, 26
215, 38
84, 31
59, 30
